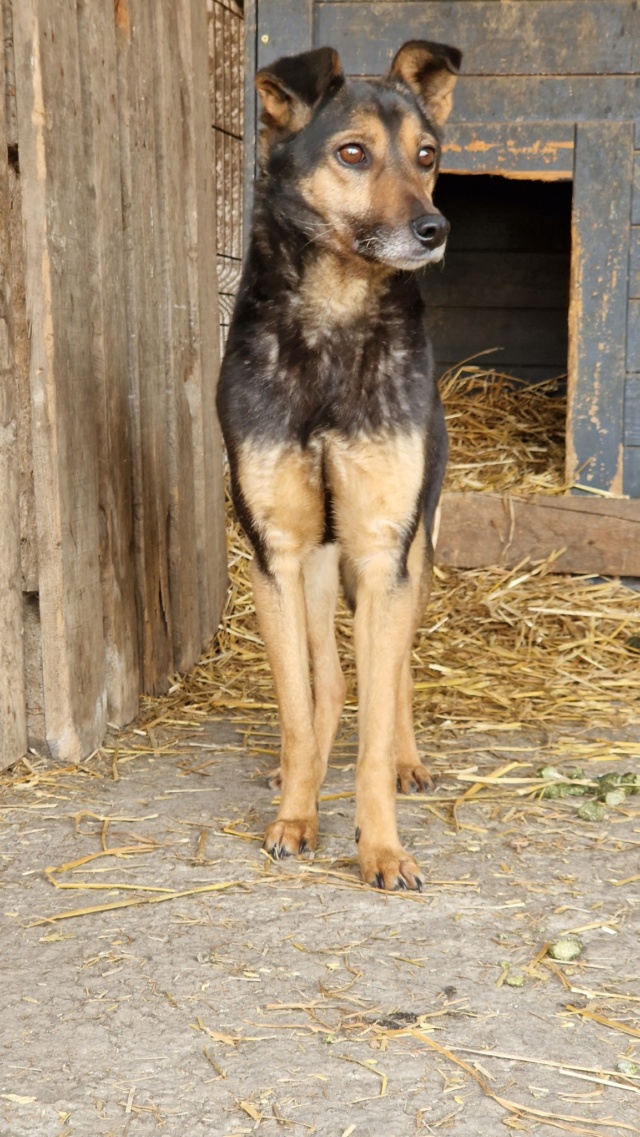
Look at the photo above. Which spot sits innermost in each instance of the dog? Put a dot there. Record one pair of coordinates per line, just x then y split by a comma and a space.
333, 423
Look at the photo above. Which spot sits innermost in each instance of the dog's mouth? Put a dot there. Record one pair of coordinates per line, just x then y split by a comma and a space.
400, 249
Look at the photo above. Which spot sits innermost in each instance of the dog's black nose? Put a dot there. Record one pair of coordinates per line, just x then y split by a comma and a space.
432, 230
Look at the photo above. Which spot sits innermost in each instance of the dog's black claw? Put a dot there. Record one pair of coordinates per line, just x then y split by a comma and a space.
302, 847
400, 885
378, 881
357, 834
419, 883
398, 785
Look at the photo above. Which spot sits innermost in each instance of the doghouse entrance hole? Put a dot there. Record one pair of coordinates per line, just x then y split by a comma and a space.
505, 283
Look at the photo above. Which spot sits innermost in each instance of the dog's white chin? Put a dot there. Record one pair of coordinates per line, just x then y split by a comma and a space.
413, 262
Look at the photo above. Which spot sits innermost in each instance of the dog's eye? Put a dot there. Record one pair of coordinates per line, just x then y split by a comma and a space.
352, 154
427, 157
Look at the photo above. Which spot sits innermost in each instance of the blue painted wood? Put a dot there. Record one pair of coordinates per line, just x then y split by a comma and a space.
632, 411
523, 37
598, 316
535, 149
632, 471
633, 336
635, 206
634, 264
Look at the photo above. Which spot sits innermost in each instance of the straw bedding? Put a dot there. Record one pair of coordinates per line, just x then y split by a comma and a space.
498, 649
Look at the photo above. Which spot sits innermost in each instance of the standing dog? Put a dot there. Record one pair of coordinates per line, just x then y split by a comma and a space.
333, 423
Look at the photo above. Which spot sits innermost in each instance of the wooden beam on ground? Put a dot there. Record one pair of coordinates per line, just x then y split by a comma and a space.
599, 535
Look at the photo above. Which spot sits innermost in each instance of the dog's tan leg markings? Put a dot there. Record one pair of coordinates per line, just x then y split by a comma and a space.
410, 772
282, 489
376, 485
321, 582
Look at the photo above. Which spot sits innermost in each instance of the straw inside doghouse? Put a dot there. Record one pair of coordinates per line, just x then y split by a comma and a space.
497, 648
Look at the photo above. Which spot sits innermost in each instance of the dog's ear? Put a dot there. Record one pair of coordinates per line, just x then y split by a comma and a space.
430, 70
291, 88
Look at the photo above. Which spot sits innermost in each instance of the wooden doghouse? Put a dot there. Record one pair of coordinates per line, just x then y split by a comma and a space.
113, 563
543, 122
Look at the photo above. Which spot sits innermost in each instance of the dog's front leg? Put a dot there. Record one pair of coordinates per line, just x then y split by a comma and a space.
280, 605
377, 487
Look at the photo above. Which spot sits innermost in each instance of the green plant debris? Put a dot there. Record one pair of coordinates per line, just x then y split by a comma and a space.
566, 949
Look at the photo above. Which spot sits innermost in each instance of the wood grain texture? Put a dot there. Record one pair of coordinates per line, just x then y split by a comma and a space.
633, 336
105, 265
526, 150
13, 706
504, 279
598, 311
523, 37
600, 536
64, 409
201, 377
635, 196
146, 365
634, 264
632, 411
174, 323
632, 471
537, 337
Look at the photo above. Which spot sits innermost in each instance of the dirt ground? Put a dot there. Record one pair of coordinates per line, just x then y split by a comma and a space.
216, 993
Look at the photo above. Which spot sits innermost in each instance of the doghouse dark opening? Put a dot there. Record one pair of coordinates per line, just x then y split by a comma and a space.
505, 280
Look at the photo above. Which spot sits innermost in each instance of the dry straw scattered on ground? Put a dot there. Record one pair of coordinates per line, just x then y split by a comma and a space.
498, 649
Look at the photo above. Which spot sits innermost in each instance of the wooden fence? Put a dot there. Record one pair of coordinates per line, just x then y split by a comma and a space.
112, 571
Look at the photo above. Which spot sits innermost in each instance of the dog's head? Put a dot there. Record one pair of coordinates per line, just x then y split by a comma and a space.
354, 163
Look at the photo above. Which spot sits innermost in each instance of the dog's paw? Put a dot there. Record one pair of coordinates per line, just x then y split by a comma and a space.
412, 776
392, 869
274, 778
290, 838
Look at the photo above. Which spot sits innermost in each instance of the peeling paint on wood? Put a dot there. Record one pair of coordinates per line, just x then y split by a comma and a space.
531, 150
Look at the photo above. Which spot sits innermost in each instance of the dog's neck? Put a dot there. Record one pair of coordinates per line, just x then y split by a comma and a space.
336, 290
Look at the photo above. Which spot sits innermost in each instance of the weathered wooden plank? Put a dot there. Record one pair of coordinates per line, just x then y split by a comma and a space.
634, 264
523, 37
229, 273
28, 534
285, 27
174, 321
632, 471
250, 114
142, 285
538, 336
540, 98
632, 411
200, 379
600, 536
105, 251
526, 150
13, 704
633, 336
479, 278
598, 311
63, 394
635, 196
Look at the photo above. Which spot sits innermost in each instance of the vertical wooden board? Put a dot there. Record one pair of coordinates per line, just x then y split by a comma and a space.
13, 709
61, 375
201, 378
634, 264
142, 286
598, 306
174, 318
632, 471
632, 411
635, 200
109, 354
250, 118
633, 336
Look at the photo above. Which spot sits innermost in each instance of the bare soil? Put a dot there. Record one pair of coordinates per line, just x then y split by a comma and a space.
232, 996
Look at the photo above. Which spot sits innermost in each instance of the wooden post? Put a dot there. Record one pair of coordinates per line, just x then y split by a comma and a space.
63, 397
13, 728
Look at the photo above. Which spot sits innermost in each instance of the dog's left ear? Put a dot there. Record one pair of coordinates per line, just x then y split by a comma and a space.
291, 88
430, 70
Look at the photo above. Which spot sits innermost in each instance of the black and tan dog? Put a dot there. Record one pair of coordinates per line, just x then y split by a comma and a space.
333, 422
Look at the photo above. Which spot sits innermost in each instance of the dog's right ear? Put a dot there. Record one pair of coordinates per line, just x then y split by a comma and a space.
291, 88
